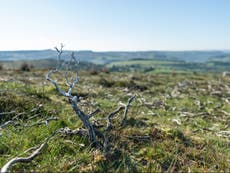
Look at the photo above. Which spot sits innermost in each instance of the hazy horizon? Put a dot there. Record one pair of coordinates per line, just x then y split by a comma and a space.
115, 25
163, 50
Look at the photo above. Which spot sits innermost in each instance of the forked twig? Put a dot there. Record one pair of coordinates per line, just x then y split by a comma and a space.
73, 99
94, 135
110, 116
123, 122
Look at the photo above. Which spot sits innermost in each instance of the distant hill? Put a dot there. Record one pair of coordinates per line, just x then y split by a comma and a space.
46, 64
108, 57
147, 61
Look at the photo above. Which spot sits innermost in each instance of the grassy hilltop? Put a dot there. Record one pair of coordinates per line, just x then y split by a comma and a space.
177, 122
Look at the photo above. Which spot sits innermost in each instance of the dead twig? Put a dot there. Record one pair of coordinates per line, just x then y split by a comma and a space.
139, 138
225, 113
6, 124
94, 135
123, 122
94, 113
24, 159
15, 160
7, 113
73, 99
110, 116
34, 116
85, 119
43, 122
3, 114
67, 131
225, 134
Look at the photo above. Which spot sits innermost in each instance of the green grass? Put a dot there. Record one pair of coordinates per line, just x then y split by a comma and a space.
190, 145
143, 62
167, 66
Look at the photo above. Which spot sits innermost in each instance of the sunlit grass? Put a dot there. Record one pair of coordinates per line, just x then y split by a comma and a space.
176, 142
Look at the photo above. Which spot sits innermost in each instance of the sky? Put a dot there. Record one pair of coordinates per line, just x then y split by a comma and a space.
115, 25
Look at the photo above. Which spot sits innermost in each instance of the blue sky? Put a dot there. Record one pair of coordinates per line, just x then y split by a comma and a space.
103, 25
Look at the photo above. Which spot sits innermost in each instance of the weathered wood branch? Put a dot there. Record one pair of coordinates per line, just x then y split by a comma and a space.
15, 160
73, 99
18, 115
6, 124
94, 113
74, 80
3, 114
85, 119
59, 90
139, 138
111, 115
94, 135
23, 159
40, 122
109, 124
34, 116
68, 131
60, 51
123, 122
7, 113
75, 63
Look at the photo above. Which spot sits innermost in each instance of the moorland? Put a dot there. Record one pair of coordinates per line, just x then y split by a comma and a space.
179, 120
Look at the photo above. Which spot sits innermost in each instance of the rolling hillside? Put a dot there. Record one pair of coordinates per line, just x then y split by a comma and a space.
106, 57
166, 61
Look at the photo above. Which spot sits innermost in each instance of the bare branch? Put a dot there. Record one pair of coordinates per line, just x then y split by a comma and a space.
6, 124
15, 160
55, 83
60, 51
139, 138
23, 159
7, 113
110, 116
3, 114
43, 122
36, 109
67, 73
34, 116
225, 134
126, 111
71, 84
94, 113
19, 115
85, 119
75, 63
75, 80
68, 131
48, 75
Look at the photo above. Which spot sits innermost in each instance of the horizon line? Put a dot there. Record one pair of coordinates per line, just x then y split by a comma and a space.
141, 50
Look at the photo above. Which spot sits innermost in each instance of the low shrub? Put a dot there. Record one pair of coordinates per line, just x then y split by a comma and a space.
105, 83
1, 67
93, 72
25, 67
